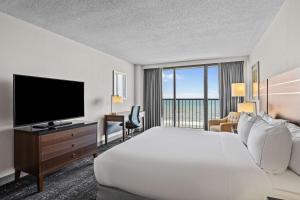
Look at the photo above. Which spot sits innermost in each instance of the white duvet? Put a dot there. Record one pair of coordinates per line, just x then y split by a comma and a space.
173, 163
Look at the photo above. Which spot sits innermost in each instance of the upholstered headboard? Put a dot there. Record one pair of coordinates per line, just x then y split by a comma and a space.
280, 96
263, 96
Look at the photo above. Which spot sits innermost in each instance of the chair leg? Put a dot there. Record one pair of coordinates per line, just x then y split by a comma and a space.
128, 130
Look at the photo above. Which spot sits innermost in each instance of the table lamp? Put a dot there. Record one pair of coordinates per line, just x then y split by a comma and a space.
115, 99
238, 90
248, 107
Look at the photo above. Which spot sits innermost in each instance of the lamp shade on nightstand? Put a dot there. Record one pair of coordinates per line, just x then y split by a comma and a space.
116, 99
246, 107
238, 90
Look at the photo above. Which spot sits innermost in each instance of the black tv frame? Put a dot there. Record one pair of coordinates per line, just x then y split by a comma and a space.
50, 123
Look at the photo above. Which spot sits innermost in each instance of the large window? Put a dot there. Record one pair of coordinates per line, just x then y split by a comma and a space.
190, 96
213, 103
168, 97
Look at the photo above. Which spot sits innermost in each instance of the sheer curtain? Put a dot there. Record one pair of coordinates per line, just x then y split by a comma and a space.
231, 72
152, 97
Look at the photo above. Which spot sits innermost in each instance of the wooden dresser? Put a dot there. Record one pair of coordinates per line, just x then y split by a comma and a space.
39, 152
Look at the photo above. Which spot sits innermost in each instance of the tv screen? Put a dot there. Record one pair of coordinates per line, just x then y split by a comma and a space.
38, 100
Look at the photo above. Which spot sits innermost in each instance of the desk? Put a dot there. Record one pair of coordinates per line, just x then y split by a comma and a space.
121, 117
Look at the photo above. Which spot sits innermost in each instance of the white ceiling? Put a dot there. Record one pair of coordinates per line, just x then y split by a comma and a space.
153, 31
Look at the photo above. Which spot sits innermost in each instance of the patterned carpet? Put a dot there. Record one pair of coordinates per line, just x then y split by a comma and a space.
75, 181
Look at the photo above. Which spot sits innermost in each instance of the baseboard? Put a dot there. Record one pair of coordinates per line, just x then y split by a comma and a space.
9, 176
7, 172
6, 179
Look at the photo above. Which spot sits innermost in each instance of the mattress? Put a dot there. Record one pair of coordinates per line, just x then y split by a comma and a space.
285, 185
173, 163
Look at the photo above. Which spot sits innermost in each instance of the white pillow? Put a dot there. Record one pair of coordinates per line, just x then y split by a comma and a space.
294, 129
270, 146
295, 156
244, 126
271, 120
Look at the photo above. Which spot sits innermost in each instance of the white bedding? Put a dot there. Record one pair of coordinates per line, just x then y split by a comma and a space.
285, 185
172, 163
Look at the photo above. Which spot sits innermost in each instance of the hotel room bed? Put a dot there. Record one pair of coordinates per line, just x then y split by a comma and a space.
285, 186
173, 163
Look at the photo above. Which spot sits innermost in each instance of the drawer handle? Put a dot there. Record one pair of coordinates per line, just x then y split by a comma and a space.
73, 155
73, 145
73, 134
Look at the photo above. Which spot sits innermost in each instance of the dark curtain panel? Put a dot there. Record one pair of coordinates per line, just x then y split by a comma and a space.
231, 72
152, 97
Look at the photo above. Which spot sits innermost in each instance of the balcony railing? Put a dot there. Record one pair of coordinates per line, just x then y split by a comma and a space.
189, 112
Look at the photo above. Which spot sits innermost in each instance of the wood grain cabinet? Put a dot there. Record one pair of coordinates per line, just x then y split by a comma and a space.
39, 152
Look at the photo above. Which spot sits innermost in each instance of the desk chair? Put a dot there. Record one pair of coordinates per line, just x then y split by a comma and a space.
134, 119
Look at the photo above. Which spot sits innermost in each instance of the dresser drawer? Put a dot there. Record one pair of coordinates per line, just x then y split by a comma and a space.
51, 151
42, 151
62, 136
59, 161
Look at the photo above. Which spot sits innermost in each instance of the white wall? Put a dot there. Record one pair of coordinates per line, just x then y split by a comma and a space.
27, 49
279, 48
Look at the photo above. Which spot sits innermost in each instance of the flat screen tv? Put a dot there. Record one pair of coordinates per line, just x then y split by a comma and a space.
40, 100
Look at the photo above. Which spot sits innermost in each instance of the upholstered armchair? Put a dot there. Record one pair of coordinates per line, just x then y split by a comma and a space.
226, 124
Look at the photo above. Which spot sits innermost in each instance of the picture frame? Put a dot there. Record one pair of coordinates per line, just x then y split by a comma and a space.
120, 84
255, 80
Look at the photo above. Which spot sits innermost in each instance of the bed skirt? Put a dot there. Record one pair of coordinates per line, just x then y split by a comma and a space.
110, 193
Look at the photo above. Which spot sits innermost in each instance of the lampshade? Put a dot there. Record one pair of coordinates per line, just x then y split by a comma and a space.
238, 90
246, 107
255, 89
116, 99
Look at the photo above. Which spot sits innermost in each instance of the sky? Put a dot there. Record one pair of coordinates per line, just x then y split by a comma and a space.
190, 82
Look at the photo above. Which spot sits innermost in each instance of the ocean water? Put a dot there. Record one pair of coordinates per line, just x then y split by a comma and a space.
189, 112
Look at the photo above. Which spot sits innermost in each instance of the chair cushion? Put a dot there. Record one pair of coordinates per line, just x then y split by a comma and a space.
244, 126
233, 117
270, 146
215, 128
130, 125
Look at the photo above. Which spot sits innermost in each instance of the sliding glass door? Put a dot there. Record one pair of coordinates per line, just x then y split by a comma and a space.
213, 103
168, 106
190, 96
